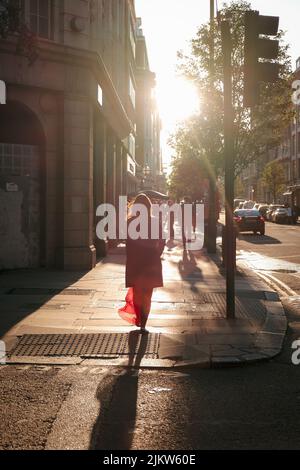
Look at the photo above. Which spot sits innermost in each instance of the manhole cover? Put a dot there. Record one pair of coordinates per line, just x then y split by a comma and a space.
88, 345
214, 298
245, 306
76, 292
46, 291
36, 306
31, 291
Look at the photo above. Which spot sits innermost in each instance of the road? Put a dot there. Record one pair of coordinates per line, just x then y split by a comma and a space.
277, 253
253, 407
281, 242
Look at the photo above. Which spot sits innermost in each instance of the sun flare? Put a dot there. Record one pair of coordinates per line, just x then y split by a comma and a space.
177, 100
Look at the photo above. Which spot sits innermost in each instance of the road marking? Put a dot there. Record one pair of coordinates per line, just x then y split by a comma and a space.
258, 261
277, 284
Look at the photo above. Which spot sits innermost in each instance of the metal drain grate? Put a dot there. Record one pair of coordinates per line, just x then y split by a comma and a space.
46, 291
133, 347
244, 305
214, 298
39, 305
87, 345
70, 291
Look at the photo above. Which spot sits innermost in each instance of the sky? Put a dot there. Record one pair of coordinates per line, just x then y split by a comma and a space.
169, 25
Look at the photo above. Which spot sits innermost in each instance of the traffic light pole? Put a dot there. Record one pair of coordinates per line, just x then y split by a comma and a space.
212, 226
230, 239
258, 53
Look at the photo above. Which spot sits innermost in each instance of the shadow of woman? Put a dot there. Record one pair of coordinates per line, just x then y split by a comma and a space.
114, 427
188, 269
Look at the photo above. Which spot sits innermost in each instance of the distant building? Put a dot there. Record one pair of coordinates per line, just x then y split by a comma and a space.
73, 139
288, 154
148, 123
293, 145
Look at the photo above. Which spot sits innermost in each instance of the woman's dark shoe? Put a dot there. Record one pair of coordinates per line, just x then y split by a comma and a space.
143, 331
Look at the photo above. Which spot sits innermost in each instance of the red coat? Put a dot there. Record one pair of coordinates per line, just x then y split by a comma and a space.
143, 263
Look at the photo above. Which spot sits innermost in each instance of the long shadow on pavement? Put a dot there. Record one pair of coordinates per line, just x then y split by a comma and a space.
114, 427
189, 271
259, 239
24, 291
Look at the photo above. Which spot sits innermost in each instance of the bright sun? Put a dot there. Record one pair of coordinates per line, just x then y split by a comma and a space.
177, 100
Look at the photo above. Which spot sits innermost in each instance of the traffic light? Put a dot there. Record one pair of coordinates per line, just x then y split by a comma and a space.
256, 50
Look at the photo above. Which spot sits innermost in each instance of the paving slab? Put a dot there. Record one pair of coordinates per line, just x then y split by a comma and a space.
188, 313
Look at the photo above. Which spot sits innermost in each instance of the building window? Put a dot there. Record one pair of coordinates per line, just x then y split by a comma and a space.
131, 145
130, 165
38, 15
100, 95
115, 18
132, 91
132, 38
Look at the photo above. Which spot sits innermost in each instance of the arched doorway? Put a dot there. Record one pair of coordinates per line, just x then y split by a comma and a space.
22, 145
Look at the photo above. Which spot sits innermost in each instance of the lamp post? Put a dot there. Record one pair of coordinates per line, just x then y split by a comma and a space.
230, 240
212, 226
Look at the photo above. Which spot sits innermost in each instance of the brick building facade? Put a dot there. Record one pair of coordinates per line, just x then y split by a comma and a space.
288, 154
67, 132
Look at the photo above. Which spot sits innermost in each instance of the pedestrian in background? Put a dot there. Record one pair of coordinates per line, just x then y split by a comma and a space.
143, 271
194, 216
289, 215
295, 214
186, 200
172, 220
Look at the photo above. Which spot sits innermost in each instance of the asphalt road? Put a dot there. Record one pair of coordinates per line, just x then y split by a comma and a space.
253, 407
278, 252
280, 241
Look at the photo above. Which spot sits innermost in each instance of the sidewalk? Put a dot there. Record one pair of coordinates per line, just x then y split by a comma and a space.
188, 325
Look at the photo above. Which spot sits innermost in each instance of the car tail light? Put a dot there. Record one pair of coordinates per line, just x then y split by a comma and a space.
237, 219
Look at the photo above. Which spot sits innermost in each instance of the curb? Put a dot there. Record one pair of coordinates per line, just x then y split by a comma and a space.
267, 344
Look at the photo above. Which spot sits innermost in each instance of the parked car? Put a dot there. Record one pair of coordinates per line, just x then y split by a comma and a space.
270, 211
249, 220
272, 218
263, 208
248, 204
237, 202
280, 215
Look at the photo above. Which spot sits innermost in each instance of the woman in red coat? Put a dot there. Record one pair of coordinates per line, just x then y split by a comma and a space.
143, 270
